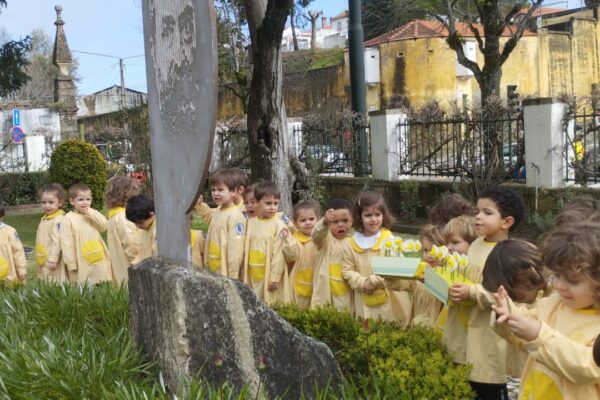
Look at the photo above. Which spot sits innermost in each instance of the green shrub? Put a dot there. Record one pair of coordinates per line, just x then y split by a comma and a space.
408, 363
21, 188
76, 161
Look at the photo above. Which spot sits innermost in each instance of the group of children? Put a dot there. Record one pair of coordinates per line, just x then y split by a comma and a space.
523, 312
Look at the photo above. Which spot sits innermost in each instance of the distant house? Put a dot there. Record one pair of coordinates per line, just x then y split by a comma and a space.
109, 100
42, 129
328, 36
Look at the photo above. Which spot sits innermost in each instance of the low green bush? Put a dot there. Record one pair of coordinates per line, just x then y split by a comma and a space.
21, 188
70, 342
405, 363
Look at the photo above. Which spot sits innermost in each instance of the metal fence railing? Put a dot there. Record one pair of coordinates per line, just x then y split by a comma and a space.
582, 148
332, 151
13, 157
465, 146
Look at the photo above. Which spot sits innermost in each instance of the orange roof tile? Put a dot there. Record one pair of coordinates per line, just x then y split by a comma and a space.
419, 29
343, 14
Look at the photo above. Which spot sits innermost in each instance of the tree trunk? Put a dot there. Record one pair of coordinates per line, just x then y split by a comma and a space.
293, 25
267, 128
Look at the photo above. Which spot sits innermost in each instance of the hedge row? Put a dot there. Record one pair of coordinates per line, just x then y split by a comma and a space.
21, 188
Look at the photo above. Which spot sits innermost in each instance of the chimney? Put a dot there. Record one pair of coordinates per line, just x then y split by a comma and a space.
323, 22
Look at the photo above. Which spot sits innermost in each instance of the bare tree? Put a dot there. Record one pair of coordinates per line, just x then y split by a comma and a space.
267, 129
312, 18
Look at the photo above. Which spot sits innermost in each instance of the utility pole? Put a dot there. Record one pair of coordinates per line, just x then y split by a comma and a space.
356, 54
122, 70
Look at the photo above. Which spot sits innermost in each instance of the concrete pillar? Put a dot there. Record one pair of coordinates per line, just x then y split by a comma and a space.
387, 150
545, 143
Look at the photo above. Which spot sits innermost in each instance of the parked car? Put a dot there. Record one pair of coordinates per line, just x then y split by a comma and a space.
333, 158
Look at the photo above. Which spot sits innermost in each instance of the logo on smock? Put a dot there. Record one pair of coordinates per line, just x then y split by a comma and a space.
284, 233
203, 234
239, 229
285, 218
17, 236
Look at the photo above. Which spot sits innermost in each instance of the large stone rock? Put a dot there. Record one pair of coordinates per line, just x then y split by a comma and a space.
197, 322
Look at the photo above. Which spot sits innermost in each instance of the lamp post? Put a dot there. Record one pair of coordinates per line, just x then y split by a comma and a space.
356, 55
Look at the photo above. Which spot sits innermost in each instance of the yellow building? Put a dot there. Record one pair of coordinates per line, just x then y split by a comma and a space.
413, 65
416, 67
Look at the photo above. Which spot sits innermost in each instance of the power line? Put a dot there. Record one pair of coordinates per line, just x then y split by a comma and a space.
106, 55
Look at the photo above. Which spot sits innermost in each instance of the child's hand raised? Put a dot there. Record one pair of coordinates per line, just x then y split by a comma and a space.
525, 328
329, 216
501, 308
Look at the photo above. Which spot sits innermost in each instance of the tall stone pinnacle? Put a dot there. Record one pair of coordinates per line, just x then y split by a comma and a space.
64, 88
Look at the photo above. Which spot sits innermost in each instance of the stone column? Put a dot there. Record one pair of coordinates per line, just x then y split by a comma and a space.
387, 149
64, 87
546, 150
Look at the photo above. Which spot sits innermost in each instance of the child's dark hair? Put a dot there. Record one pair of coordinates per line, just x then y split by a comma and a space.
370, 199
509, 202
575, 249
266, 188
139, 208
307, 205
339, 204
577, 210
517, 265
463, 226
240, 177
56, 189
119, 189
251, 189
76, 188
433, 234
225, 176
448, 207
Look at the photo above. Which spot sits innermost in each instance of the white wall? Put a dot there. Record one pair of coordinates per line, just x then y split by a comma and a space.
42, 131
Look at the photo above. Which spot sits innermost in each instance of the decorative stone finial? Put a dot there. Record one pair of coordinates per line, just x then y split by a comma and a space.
59, 20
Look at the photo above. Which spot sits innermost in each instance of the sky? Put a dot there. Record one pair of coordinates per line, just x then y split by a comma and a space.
110, 27
114, 28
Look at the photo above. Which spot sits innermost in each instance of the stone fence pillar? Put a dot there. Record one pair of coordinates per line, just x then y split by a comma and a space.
546, 151
387, 148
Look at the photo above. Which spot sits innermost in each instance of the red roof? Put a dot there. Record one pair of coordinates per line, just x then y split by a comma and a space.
343, 14
418, 29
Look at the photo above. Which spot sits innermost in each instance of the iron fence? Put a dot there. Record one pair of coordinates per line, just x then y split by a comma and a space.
13, 156
463, 147
582, 148
332, 151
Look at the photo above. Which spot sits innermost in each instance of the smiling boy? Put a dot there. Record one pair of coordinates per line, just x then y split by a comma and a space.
224, 246
84, 252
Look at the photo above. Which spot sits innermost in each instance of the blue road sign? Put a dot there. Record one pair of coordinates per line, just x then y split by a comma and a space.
16, 134
16, 117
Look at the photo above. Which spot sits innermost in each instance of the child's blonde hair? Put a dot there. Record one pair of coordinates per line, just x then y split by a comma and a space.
574, 249
432, 233
307, 205
367, 200
56, 189
77, 188
120, 189
463, 226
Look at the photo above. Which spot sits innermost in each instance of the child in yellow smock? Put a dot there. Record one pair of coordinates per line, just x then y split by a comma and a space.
426, 307
224, 246
559, 332
48, 255
329, 235
84, 252
301, 252
122, 236
265, 269
500, 209
372, 221
458, 234
13, 265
